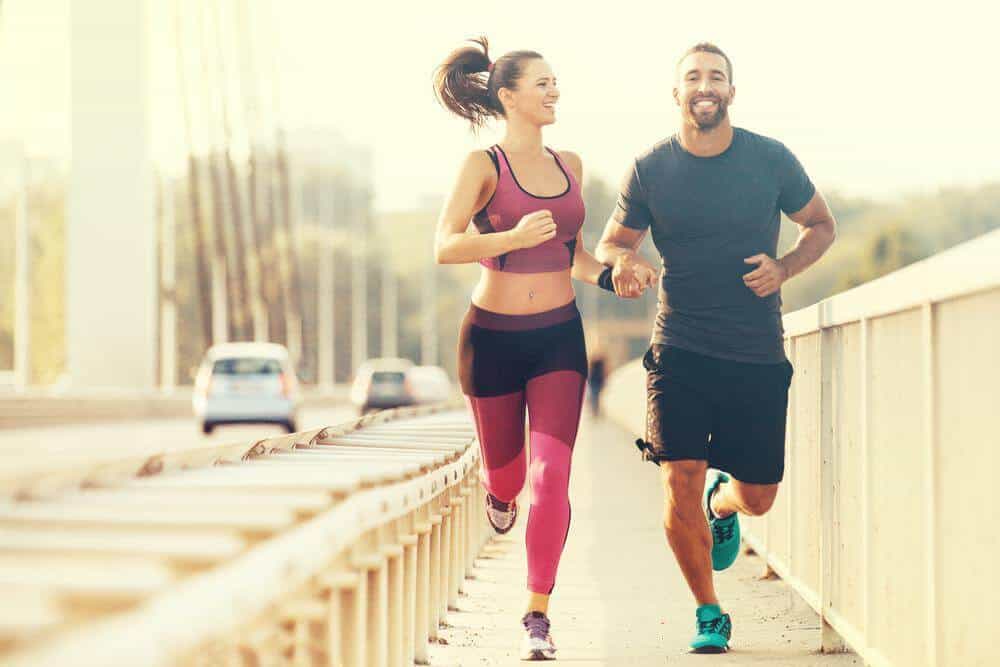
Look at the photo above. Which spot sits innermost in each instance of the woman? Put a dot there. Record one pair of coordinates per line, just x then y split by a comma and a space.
521, 343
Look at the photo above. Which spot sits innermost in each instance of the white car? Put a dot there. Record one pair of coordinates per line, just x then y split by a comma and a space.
381, 384
430, 384
246, 383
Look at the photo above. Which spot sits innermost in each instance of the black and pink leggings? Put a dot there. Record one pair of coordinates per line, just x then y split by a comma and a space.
538, 361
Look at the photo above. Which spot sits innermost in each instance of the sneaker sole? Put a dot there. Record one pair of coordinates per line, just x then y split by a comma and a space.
713, 650
506, 530
538, 655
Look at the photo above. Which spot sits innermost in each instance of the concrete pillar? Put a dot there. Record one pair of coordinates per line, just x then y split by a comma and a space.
357, 217
429, 330
326, 288
22, 281
390, 307
110, 249
168, 286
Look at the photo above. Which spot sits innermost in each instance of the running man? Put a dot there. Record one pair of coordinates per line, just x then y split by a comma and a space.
717, 383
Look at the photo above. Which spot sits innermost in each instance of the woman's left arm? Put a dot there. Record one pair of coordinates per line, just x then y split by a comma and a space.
586, 268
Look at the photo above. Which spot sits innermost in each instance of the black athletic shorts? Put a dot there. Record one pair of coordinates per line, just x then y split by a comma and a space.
729, 413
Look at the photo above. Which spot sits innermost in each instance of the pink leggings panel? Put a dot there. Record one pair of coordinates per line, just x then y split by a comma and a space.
553, 402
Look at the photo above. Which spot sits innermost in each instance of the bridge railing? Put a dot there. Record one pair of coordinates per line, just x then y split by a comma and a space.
341, 546
884, 520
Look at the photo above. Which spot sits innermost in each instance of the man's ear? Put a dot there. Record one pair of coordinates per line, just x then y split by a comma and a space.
677, 97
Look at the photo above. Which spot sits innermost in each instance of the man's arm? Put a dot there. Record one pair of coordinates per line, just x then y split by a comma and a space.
817, 232
631, 273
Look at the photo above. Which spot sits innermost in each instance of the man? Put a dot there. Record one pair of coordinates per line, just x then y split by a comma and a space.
717, 383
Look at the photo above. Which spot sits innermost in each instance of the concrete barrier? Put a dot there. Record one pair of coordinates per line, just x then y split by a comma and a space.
341, 546
883, 523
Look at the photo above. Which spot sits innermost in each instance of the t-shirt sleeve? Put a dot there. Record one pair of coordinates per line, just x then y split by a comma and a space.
796, 188
632, 209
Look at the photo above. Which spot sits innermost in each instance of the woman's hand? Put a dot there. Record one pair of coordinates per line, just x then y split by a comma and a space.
533, 229
631, 275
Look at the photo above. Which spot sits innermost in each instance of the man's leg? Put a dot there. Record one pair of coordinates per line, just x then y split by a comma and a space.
752, 417
678, 423
686, 526
749, 499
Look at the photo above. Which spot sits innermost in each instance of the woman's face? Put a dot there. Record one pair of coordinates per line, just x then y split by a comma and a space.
536, 95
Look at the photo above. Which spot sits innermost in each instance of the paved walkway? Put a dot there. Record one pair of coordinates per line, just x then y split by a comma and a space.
620, 598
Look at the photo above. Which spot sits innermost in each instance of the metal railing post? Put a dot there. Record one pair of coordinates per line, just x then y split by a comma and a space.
435, 564
410, 541
421, 635
447, 523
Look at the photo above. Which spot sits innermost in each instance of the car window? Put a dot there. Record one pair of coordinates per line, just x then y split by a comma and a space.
388, 376
246, 366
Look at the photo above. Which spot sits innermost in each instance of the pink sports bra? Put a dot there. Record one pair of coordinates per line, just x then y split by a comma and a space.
510, 202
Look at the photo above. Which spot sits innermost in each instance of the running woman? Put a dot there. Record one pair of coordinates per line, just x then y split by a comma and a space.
718, 379
521, 344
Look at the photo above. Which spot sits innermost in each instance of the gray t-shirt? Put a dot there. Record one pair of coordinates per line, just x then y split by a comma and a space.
706, 216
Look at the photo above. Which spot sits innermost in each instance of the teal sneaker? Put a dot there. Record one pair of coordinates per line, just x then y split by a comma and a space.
725, 532
714, 630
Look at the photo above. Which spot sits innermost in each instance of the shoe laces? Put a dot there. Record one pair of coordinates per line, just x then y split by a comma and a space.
715, 625
537, 625
722, 530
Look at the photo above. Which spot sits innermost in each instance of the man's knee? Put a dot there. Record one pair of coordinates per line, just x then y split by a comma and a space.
683, 483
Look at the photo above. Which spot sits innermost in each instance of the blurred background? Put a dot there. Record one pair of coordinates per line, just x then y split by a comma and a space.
286, 164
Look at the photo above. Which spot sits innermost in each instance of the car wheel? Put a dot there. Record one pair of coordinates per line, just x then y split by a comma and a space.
207, 428
290, 427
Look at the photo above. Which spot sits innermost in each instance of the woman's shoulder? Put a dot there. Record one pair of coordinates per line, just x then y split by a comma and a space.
573, 161
480, 164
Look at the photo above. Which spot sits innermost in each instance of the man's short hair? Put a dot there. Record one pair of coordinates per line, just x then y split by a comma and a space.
707, 47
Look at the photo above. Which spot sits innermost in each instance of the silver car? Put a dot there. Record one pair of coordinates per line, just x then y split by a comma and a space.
382, 383
246, 383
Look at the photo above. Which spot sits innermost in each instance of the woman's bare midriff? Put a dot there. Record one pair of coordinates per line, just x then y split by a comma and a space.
523, 293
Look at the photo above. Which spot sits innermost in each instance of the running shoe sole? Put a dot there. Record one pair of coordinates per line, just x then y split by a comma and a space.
537, 655
498, 530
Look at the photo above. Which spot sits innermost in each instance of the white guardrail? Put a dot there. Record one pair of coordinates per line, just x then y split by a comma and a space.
342, 546
884, 523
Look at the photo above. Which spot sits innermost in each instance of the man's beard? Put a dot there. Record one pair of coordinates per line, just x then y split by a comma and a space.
706, 124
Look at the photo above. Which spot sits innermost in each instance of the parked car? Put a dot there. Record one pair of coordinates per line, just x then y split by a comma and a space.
246, 383
382, 383
430, 384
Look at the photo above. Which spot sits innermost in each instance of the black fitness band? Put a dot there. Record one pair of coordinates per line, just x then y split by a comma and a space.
604, 280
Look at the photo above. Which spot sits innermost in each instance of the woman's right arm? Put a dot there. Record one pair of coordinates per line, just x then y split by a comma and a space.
454, 244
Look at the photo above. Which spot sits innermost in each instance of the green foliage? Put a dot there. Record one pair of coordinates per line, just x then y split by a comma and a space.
876, 238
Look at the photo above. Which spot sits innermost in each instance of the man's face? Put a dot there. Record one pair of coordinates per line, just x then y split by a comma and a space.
703, 91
